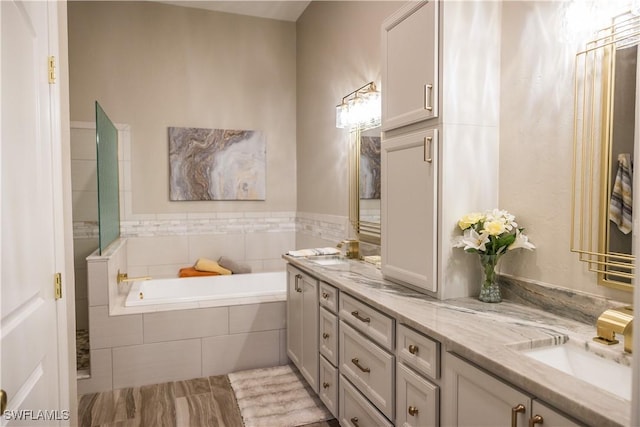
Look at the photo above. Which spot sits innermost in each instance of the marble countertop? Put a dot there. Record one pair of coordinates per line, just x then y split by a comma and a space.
489, 335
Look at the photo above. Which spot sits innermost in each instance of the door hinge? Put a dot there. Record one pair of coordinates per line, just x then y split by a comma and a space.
52, 69
58, 286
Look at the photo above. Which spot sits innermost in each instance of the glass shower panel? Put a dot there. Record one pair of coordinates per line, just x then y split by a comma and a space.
108, 185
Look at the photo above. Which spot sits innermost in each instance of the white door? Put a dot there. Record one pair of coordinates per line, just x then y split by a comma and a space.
29, 345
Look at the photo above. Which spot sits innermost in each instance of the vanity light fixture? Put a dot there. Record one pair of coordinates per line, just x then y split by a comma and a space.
362, 106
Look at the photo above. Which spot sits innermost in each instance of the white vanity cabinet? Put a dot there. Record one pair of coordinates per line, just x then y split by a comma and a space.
417, 379
328, 348
410, 61
440, 121
302, 324
476, 398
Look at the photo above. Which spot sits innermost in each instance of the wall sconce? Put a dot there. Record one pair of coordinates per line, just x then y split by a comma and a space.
362, 106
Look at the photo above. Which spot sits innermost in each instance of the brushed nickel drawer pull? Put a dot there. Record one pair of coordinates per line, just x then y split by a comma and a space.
514, 414
356, 362
297, 288
428, 94
427, 151
360, 318
413, 411
325, 295
354, 420
325, 335
326, 385
413, 349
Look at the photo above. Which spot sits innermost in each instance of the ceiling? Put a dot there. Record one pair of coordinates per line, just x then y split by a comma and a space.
284, 10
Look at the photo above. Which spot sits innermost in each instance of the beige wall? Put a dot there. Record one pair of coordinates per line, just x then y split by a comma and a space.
338, 50
539, 44
153, 65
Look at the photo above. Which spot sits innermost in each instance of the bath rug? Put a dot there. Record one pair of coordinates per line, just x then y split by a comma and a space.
276, 396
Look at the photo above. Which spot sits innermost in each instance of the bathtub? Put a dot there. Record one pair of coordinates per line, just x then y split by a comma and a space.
210, 288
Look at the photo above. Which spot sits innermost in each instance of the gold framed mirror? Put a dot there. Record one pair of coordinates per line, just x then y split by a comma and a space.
364, 181
606, 132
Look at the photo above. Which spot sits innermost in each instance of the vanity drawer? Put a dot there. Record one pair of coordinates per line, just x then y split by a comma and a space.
329, 335
417, 399
369, 367
371, 322
329, 297
329, 386
419, 351
356, 411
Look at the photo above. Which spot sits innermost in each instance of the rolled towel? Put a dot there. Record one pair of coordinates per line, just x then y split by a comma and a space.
204, 264
192, 272
234, 266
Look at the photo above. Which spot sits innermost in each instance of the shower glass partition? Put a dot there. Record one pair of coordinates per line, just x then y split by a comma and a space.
108, 185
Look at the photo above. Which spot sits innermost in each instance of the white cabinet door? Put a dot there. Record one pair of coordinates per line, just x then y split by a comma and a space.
310, 307
294, 316
416, 399
410, 65
302, 324
475, 398
409, 208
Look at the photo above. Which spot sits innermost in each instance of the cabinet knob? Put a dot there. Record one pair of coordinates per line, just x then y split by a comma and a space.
413, 349
325, 335
3, 401
536, 419
354, 421
413, 411
325, 295
519, 408
326, 385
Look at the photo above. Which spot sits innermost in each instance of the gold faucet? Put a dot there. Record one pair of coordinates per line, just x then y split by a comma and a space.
352, 248
615, 320
124, 277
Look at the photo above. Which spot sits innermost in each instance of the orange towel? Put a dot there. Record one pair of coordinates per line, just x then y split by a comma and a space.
192, 272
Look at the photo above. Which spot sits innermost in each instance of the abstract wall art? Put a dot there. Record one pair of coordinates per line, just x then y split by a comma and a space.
217, 164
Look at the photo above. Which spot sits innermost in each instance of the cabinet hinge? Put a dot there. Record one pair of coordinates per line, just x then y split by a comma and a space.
52, 69
57, 289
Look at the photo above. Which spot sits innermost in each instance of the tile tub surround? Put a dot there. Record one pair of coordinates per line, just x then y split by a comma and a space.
489, 335
134, 346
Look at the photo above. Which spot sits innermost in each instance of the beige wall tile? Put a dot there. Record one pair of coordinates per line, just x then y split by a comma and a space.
112, 331
213, 246
257, 317
98, 283
225, 354
158, 250
156, 363
185, 324
101, 373
268, 245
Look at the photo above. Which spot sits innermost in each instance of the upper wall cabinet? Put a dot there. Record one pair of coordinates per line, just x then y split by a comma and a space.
440, 97
410, 59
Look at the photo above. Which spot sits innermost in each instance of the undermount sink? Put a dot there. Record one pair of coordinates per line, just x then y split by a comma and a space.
327, 259
581, 363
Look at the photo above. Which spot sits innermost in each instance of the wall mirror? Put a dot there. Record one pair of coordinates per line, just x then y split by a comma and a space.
364, 188
605, 136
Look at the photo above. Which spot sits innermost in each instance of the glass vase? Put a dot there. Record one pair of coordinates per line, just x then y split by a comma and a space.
490, 290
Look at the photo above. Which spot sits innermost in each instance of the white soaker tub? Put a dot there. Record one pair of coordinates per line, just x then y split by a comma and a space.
216, 288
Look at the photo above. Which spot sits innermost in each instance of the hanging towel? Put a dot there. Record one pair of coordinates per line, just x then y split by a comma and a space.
620, 211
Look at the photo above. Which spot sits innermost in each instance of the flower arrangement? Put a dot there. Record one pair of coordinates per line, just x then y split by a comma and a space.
491, 235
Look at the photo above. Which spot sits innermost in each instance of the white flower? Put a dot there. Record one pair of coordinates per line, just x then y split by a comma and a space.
472, 240
494, 228
521, 241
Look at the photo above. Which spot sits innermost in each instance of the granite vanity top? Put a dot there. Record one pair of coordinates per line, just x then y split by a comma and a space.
489, 335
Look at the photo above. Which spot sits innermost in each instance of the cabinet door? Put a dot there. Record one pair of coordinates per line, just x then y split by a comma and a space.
410, 65
548, 417
294, 316
475, 398
416, 399
409, 208
310, 307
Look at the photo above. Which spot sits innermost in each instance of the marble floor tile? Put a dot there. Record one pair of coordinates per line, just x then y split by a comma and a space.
194, 386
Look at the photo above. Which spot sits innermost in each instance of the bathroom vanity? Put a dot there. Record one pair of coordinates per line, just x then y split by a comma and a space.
386, 355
